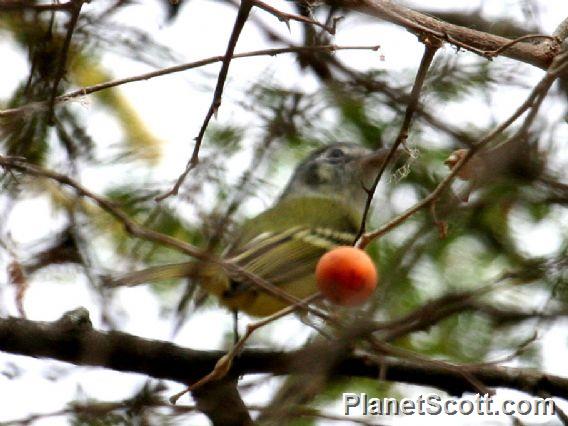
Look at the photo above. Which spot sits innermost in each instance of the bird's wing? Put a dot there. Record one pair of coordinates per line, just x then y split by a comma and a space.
153, 273
282, 257
283, 244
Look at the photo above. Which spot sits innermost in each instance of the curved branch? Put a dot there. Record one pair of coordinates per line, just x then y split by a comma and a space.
539, 55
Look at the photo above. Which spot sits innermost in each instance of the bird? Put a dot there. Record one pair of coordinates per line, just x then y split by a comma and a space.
320, 208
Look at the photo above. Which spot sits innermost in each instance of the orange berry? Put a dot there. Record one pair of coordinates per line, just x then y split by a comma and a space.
346, 275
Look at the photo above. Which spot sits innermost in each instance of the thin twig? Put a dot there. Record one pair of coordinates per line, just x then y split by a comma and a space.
519, 350
225, 363
286, 17
437, 310
479, 42
495, 52
537, 93
130, 226
87, 90
242, 15
76, 6
235, 270
139, 231
431, 46
388, 349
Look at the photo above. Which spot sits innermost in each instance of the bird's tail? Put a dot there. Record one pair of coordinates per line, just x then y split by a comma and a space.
154, 273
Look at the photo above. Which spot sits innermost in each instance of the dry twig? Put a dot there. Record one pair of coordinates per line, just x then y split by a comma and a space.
532, 102
431, 46
75, 8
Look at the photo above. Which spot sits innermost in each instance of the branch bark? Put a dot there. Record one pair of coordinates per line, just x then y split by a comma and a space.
482, 43
72, 339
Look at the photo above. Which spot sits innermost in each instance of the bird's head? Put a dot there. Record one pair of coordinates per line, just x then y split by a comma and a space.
340, 171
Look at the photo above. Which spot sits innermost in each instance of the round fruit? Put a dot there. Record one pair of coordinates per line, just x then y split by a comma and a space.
346, 275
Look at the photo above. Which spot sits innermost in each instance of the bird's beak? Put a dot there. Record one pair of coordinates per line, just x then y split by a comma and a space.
375, 159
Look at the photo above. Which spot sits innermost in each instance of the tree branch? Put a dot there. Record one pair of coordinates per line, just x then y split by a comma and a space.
72, 339
75, 8
475, 20
287, 17
242, 16
532, 103
87, 90
431, 46
139, 231
133, 228
539, 55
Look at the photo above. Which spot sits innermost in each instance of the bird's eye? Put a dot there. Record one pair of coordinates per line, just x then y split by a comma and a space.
336, 153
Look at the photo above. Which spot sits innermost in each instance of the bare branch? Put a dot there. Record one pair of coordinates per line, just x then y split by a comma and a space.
533, 101
242, 15
83, 91
139, 231
76, 6
130, 226
72, 339
431, 46
286, 17
451, 304
539, 55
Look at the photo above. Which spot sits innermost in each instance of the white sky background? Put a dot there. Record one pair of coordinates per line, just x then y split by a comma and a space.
174, 107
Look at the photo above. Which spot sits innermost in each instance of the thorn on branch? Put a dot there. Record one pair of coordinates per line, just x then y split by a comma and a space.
459, 44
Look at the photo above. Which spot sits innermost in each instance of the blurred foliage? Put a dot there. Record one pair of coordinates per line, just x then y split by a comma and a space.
417, 263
